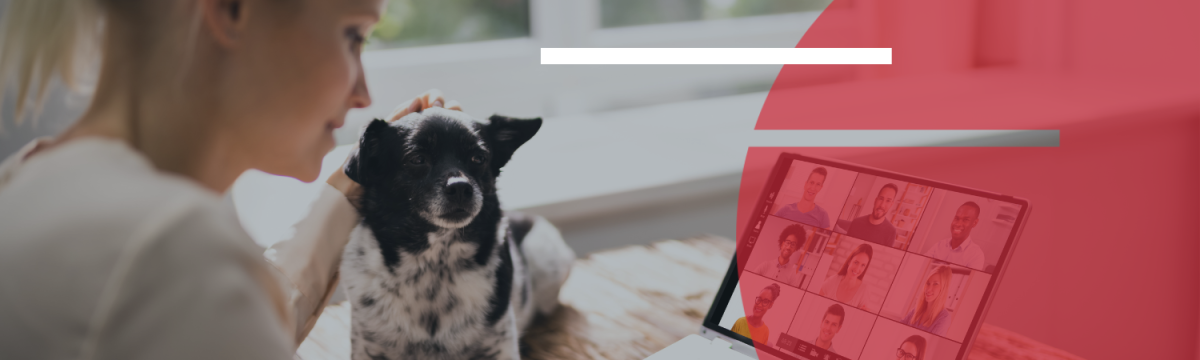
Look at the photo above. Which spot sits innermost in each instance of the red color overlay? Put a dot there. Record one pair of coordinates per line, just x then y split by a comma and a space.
1107, 266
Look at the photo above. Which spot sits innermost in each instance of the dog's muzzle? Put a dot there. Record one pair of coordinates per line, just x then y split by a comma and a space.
460, 202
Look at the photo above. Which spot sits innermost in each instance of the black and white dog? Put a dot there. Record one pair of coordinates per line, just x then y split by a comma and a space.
436, 270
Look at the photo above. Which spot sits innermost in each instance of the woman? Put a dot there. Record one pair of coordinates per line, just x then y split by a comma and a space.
913, 348
116, 242
931, 314
847, 285
753, 326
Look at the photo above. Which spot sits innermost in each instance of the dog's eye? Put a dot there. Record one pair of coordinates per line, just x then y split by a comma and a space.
416, 160
477, 159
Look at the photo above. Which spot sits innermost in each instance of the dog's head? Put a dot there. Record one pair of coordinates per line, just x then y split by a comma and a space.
438, 164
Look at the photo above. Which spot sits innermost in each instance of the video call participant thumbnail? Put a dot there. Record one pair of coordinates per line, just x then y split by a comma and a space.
930, 313
847, 285
958, 248
874, 227
913, 348
781, 268
806, 211
831, 324
752, 326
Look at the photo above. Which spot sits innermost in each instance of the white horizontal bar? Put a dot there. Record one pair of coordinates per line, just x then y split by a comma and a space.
716, 56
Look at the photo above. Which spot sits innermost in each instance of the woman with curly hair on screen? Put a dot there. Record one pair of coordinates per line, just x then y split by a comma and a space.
930, 313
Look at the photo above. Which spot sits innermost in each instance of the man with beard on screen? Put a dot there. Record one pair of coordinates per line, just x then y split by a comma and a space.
874, 227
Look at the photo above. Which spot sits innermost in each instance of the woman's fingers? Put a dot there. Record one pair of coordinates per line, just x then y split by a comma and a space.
340, 181
405, 109
431, 98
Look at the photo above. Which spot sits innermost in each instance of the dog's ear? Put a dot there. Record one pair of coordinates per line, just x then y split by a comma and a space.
370, 156
504, 135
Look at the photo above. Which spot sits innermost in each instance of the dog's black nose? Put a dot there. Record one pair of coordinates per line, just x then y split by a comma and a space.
459, 192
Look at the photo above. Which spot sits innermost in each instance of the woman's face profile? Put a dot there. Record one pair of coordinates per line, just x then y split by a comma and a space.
296, 74
933, 287
858, 265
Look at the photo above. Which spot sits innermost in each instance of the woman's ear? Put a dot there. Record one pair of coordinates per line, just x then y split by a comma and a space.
224, 19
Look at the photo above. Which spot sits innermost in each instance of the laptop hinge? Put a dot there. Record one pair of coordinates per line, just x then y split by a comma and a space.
721, 343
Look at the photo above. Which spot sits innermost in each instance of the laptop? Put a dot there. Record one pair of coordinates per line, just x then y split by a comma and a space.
847, 262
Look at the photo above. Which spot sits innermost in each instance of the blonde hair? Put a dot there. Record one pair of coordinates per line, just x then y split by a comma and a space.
42, 39
927, 312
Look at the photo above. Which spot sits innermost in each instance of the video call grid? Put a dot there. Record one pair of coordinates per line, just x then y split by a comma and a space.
920, 225
922, 221
806, 291
874, 319
808, 288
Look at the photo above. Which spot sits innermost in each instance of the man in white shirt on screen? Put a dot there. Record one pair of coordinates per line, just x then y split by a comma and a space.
959, 249
781, 268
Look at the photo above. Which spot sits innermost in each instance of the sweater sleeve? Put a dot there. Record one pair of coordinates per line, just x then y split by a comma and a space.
307, 265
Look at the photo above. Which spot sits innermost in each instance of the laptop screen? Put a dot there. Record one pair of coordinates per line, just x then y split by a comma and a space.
848, 262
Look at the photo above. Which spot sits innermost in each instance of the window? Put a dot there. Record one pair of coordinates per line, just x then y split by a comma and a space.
409, 23
618, 13
479, 51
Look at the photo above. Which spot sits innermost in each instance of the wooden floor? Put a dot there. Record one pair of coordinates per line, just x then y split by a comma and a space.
628, 303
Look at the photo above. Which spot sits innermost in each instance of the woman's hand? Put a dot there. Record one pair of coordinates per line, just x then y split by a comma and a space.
430, 99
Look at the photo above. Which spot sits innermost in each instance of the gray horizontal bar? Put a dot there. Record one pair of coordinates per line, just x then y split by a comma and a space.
904, 138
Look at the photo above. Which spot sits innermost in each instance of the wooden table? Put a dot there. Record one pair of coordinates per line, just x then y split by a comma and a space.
630, 302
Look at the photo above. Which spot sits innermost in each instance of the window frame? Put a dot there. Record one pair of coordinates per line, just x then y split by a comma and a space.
557, 23
395, 74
